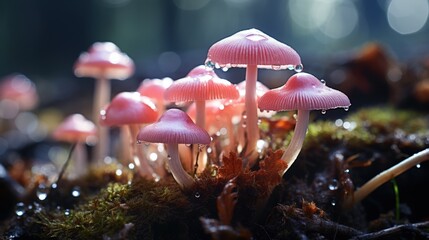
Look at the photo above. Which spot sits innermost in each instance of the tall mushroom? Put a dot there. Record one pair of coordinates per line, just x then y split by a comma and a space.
175, 127
302, 92
76, 129
130, 110
103, 61
252, 49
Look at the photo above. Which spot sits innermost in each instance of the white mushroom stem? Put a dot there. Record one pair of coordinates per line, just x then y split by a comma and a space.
176, 168
140, 160
102, 98
80, 159
201, 122
383, 177
295, 145
252, 128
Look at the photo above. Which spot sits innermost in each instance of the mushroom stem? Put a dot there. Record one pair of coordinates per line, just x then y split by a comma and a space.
142, 164
176, 168
295, 145
200, 116
383, 177
80, 159
252, 128
102, 97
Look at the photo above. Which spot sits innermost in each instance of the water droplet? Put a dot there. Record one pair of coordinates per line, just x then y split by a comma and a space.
333, 185
346, 109
323, 111
54, 185
75, 192
209, 150
210, 64
67, 212
197, 195
333, 203
299, 68
42, 192
347, 171
131, 166
20, 209
276, 67
201, 147
118, 172
323, 82
156, 177
418, 165
225, 69
290, 67
188, 144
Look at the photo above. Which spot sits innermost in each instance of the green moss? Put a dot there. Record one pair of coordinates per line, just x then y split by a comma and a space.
102, 215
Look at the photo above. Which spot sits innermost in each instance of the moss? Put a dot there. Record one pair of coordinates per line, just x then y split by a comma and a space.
103, 215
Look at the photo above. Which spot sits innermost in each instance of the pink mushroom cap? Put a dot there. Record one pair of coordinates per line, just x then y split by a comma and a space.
75, 128
104, 60
154, 88
303, 91
174, 127
128, 108
18, 88
252, 47
200, 84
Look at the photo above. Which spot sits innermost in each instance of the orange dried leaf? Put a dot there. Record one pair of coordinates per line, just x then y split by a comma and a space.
232, 166
270, 169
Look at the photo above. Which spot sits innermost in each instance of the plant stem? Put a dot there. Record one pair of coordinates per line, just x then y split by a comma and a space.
295, 145
176, 168
383, 177
252, 128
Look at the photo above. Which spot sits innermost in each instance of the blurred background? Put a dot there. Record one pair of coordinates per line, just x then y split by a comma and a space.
374, 51
167, 38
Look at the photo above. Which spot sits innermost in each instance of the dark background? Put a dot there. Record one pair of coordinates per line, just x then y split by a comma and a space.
167, 38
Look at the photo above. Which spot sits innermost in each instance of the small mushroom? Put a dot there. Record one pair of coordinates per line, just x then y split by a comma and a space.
175, 127
131, 110
201, 84
154, 89
76, 129
103, 61
252, 49
302, 92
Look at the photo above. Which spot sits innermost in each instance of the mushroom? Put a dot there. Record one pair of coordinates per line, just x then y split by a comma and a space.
302, 92
201, 84
103, 61
130, 110
175, 127
154, 89
17, 89
252, 49
78, 130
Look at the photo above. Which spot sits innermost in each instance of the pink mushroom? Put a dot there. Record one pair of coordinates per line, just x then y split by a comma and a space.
302, 92
175, 127
154, 89
103, 61
17, 93
252, 49
76, 129
201, 84
130, 109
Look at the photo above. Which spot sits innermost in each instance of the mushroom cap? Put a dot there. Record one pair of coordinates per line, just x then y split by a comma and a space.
19, 89
154, 88
175, 127
252, 47
128, 108
74, 128
200, 84
216, 114
104, 60
303, 91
